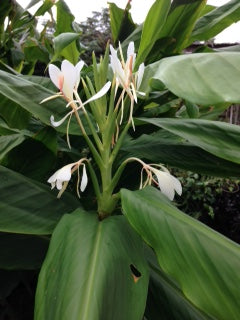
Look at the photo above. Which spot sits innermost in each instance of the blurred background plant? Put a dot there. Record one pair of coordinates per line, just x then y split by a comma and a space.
212, 200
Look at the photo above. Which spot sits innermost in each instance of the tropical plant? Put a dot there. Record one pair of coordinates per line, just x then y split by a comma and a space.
115, 253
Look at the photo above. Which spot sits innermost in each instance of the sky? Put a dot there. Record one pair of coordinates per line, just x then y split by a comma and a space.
83, 9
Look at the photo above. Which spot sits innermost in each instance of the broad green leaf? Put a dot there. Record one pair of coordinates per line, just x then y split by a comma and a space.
34, 52
63, 45
45, 7
216, 21
13, 114
218, 138
179, 24
177, 153
6, 130
121, 22
153, 24
32, 159
192, 109
93, 270
64, 26
29, 207
22, 252
48, 137
201, 78
9, 142
204, 263
165, 299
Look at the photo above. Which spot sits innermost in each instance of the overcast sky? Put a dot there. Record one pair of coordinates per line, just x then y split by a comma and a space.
83, 9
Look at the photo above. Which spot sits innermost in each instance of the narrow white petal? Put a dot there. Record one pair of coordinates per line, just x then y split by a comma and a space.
70, 76
84, 180
177, 185
100, 93
51, 97
54, 74
130, 49
79, 65
58, 123
113, 51
140, 74
78, 68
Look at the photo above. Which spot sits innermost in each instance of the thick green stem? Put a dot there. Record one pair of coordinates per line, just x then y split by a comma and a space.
89, 142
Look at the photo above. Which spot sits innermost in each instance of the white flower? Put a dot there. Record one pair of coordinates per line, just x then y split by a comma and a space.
66, 79
98, 95
124, 71
62, 176
167, 183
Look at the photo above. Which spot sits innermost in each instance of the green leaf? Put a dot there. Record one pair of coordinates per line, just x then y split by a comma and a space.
64, 26
204, 263
165, 299
192, 109
218, 138
180, 23
48, 137
201, 78
45, 7
35, 52
89, 271
23, 252
64, 45
177, 153
152, 28
9, 142
32, 159
121, 22
216, 21
13, 115
30, 207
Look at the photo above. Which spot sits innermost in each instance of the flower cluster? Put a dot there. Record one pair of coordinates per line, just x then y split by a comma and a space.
127, 79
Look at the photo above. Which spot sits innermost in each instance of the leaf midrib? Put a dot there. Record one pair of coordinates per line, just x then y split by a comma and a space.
92, 273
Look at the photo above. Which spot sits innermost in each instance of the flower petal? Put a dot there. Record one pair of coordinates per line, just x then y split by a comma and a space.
70, 76
100, 93
165, 183
78, 68
54, 73
84, 180
130, 49
58, 123
140, 74
177, 185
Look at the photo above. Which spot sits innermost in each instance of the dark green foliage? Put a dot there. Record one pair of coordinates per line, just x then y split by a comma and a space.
96, 33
